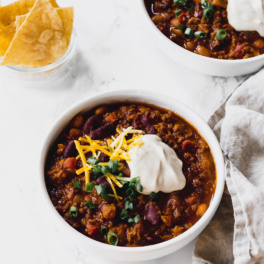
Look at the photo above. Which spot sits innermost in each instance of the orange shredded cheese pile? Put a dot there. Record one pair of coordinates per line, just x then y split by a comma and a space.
116, 148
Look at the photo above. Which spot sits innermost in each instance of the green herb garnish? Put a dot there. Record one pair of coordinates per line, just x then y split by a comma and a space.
89, 205
77, 185
89, 187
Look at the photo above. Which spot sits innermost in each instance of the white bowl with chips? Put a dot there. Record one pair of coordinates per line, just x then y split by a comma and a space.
133, 254
52, 72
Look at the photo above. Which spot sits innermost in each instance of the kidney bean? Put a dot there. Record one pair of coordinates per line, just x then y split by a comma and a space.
102, 180
70, 150
145, 121
200, 14
103, 157
103, 131
91, 123
152, 213
151, 129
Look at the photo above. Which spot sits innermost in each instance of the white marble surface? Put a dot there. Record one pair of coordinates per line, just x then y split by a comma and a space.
114, 52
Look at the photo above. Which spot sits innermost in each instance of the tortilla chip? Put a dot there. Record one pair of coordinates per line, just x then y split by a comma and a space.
19, 21
66, 14
6, 36
8, 13
40, 41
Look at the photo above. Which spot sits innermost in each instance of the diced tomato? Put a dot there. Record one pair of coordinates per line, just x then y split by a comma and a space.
182, 18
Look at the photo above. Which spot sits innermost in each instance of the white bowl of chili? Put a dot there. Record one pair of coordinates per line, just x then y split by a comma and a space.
200, 63
138, 253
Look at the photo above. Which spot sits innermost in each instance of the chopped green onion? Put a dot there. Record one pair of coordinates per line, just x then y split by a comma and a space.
113, 165
104, 230
133, 220
188, 33
129, 205
180, 2
221, 34
124, 214
130, 192
73, 212
89, 205
124, 183
77, 185
105, 170
205, 4
93, 161
112, 238
120, 174
177, 13
190, 7
133, 182
89, 187
200, 34
97, 169
139, 187
181, 27
208, 12
130, 198
153, 196
137, 218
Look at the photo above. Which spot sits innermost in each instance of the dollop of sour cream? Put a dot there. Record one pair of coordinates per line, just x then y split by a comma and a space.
157, 165
246, 15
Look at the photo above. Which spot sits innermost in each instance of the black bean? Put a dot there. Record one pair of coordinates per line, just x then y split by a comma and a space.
103, 131
70, 150
152, 214
91, 123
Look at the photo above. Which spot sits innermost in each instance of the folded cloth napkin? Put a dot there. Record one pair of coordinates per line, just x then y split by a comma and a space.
236, 233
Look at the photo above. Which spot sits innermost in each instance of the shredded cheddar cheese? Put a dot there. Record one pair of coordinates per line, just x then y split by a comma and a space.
115, 148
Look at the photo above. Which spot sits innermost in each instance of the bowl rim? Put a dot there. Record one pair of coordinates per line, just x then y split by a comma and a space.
145, 95
223, 62
68, 54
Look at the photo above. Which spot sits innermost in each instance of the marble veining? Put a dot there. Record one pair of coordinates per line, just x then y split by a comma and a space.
114, 52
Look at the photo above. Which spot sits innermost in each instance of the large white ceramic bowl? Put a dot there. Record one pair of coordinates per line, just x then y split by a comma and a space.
198, 63
134, 253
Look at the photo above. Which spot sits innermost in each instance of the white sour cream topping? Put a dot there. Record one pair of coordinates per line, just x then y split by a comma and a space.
157, 165
246, 15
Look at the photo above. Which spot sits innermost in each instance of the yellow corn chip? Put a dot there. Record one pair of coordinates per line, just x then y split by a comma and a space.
6, 36
8, 13
66, 15
19, 21
40, 40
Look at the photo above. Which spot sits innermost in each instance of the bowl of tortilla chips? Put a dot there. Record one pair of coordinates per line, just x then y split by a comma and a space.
36, 37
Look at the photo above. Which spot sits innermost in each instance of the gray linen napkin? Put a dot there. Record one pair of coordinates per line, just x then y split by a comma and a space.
236, 233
